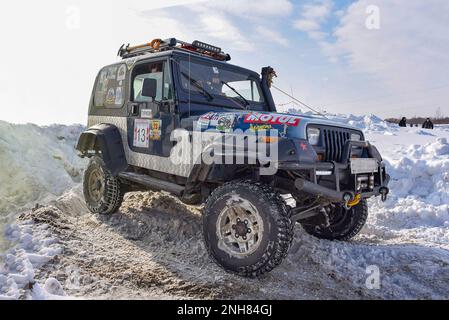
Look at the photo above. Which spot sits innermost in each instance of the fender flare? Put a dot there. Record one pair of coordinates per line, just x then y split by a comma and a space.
202, 172
289, 150
105, 141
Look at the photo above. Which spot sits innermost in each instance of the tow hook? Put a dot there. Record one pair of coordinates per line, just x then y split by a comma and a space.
351, 202
384, 193
347, 197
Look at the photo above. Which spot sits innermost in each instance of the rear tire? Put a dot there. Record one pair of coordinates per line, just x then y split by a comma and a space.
102, 191
247, 228
341, 224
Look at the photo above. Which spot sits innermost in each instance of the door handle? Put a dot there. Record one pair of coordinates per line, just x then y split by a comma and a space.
133, 109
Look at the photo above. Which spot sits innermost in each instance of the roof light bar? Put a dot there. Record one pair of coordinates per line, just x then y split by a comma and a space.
158, 45
204, 46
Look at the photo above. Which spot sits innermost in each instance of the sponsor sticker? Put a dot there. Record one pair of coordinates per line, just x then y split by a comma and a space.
141, 133
261, 127
155, 130
208, 118
130, 63
119, 96
110, 96
225, 123
146, 113
103, 78
121, 75
273, 119
112, 73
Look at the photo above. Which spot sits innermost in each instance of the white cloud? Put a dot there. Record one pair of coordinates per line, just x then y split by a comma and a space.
271, 35
317, 35
250, 8
312, 17
140, 5
219, 27
317, 11
407, 55
306, 25
240, 25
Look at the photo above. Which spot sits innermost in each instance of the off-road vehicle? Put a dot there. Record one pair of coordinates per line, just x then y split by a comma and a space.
326, 170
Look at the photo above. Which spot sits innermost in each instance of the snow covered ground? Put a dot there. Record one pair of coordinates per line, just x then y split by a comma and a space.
152, 248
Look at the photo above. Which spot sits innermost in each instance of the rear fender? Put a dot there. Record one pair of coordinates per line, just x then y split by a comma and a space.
105, 141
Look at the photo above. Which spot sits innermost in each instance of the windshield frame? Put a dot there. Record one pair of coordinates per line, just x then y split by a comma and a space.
197, 97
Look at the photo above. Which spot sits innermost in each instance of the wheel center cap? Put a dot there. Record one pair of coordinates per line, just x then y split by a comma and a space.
241, 228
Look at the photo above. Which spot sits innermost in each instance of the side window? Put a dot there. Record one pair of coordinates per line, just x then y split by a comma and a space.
109, 91
158, 71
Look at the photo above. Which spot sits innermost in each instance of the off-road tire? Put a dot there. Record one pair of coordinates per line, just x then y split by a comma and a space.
112, 196
350, 224
276, 237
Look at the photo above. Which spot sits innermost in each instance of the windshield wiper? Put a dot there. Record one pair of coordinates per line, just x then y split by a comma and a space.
243, 102
198, 86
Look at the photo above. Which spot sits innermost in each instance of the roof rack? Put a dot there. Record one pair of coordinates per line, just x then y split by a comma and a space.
159, 45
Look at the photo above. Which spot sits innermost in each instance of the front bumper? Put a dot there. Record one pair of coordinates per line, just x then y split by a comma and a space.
340, 182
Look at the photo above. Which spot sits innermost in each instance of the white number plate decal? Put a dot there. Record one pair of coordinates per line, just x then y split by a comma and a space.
141, 133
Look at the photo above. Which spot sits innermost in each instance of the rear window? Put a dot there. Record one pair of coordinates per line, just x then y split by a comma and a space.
110, 88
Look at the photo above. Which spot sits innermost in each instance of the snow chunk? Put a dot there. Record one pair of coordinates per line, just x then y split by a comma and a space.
34, 247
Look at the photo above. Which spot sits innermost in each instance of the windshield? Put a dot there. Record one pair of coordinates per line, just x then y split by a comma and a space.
214, 80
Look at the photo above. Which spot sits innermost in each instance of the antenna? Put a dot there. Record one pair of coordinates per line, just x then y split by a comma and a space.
298, 101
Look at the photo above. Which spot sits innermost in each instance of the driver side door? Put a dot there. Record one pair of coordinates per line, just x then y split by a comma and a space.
151, 108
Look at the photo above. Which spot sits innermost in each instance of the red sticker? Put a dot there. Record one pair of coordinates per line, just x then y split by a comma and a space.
279, 119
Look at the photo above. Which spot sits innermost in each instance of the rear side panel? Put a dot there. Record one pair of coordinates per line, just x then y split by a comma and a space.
141, 160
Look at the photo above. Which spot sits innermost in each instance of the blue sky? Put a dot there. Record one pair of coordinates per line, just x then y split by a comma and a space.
322, 50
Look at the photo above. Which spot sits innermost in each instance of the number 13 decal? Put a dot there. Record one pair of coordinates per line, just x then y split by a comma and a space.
141, 133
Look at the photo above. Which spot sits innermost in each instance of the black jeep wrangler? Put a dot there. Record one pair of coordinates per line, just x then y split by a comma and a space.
178, 117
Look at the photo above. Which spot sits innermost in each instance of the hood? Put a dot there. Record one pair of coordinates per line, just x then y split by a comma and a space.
288, 125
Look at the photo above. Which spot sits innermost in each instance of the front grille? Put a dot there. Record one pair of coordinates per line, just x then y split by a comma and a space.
334, 142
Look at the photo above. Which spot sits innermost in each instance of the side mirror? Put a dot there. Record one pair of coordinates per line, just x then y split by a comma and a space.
149, 88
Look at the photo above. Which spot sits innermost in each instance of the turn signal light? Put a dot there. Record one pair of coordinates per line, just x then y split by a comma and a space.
269, 139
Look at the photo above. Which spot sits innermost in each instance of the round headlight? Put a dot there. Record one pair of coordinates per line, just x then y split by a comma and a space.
313, 136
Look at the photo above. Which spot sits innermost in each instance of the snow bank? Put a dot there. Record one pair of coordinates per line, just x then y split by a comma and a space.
368, 123
420, 188
418, 162
36, 163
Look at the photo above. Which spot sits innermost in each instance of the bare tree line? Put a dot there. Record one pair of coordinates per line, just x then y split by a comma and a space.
438, 118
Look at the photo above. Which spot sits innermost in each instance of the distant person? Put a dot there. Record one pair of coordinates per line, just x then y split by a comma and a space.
403, 122
427, 124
